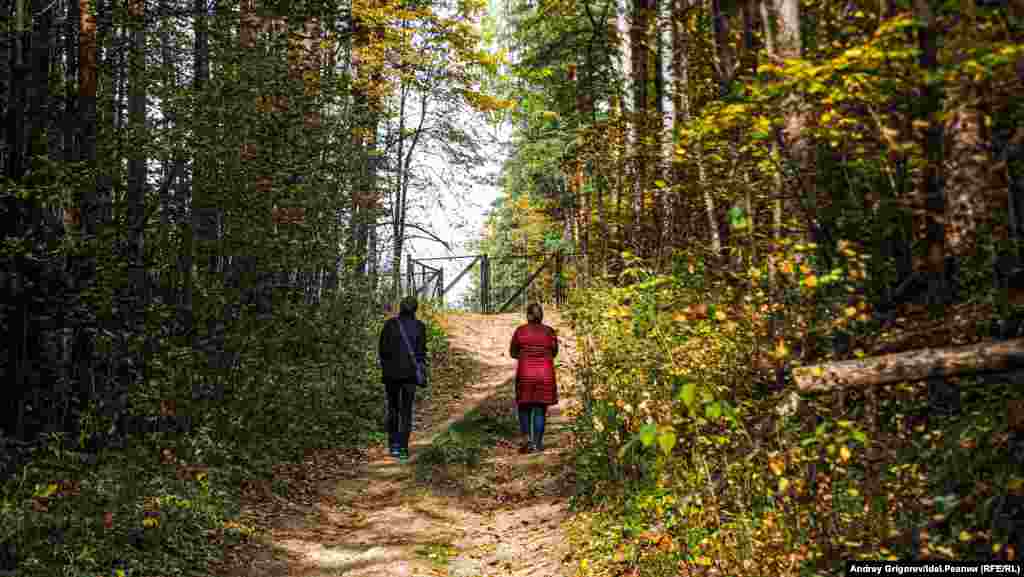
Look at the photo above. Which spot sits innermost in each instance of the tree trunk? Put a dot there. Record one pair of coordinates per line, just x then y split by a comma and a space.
641, 52
110, 60
372, 258
70, 120
710, 210
768, 21
626, 64
201, 57
680, 91
724, 66
168, 78
570, 213
911, 366
366, 118
6, 81
54, 114
784, 23
87, 154
677, 90
16, 128
782, 37
602, 258
404, 168
136, 193
666, 110
582, 215
748, 57
38, 99
398, 204
87, 109
934, 187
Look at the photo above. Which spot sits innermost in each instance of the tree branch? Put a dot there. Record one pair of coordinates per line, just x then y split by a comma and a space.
432, 236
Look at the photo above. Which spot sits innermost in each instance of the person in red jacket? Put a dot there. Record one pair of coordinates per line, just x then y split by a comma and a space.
535, 345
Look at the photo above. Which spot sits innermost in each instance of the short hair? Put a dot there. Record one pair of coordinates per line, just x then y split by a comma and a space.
408, 305
534, 313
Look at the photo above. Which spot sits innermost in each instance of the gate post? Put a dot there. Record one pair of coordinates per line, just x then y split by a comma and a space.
485, 284
439, 290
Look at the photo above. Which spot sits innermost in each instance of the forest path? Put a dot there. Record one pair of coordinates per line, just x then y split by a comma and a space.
501, 514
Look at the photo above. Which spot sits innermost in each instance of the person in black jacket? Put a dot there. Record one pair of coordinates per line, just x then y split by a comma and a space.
399, 372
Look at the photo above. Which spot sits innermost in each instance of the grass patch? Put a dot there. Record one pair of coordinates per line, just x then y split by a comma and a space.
465, 440
438, 553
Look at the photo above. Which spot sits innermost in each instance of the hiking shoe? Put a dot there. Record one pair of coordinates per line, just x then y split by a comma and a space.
524, 448
394, 452
403, 456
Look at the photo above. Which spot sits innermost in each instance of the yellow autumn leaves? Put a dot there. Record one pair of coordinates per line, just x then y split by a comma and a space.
396, 40
485, 102
779, 462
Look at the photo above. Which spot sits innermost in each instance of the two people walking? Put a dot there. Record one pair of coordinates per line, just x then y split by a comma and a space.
403, 357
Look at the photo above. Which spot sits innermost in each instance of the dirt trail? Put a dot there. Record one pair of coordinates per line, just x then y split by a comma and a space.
501, 516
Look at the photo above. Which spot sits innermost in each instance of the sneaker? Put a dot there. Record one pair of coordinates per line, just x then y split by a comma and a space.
394, 452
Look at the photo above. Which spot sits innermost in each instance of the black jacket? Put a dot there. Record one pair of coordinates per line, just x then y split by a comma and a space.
395, 363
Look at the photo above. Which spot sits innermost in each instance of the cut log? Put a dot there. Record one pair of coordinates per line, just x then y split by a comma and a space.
911, 366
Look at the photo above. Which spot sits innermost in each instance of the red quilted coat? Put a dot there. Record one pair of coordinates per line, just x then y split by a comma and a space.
535, 345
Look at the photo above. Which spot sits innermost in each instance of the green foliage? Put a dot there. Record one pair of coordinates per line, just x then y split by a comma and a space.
682, 461
126, 510
438, 553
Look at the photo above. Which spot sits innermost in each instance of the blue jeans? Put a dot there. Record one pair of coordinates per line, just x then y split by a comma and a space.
534, 414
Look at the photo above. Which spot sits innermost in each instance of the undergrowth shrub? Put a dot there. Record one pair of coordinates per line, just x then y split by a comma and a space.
165, 500
685, 465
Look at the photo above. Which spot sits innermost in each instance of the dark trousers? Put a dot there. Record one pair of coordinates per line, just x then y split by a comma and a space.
399, 413
532, 417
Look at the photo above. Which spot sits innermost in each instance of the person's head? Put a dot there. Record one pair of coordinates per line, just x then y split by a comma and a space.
408, 306
534, 313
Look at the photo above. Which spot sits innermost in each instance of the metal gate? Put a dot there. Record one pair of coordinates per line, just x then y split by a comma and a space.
501, 282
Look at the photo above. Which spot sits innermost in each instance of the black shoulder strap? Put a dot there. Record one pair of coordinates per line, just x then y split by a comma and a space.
408, 345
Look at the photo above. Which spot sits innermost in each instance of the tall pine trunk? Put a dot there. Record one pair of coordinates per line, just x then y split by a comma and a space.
38, 88
136, 192
89, 211
201, 58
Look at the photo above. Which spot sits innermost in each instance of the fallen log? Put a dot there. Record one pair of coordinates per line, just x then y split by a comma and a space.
911, 366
